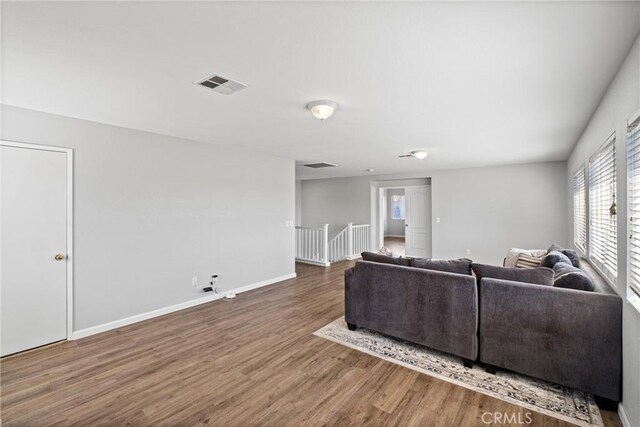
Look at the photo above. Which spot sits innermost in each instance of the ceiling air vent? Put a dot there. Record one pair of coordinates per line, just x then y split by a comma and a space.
321, 165
221, 84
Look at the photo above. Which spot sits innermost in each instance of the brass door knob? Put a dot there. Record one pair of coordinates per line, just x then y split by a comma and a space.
59, 257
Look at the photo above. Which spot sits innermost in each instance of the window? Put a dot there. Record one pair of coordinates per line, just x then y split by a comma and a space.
397, 206
633, 201
580, 210
603, 229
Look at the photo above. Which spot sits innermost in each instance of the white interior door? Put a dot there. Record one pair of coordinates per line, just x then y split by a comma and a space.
418, 221
33, 221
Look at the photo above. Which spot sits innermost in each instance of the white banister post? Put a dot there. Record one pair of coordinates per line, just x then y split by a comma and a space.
325, 243
349, 239
367, 245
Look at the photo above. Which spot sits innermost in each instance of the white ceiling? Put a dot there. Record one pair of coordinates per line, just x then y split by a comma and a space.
473, 83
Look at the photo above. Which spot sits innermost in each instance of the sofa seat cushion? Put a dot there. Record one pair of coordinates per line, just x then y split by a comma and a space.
537, 276
459, 266
553, 258
385, 259
568, 276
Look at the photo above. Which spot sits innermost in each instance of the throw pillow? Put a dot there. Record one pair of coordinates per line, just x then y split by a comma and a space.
385, 251
569, 253
384, 259
512, 256
459, 266
527, 261
536, 276
568, 276
553, 258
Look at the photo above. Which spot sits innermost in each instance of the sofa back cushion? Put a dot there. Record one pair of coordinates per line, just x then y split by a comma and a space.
568, 276
385, 259
459, 266
536, 276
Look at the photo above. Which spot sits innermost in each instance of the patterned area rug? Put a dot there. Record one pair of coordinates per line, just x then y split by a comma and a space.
550, 399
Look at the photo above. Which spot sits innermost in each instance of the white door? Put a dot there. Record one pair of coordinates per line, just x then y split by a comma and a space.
33, 221
418, 221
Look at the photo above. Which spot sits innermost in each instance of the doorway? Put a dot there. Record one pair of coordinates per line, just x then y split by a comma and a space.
394, 215
36, 221
401, 217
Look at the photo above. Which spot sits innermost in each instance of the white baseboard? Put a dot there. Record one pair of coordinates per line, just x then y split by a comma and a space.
624, 418
177, 307
318, 263
261, 284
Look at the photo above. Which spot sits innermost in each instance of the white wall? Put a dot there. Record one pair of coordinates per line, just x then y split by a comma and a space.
486, 210
393, 227
298, 202
336, 202
620, 102
152, 211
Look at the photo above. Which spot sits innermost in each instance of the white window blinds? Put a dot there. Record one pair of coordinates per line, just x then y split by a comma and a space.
633, 194
580, 210
603, 230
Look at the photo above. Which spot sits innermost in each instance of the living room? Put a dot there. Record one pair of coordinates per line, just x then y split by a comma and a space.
168, 257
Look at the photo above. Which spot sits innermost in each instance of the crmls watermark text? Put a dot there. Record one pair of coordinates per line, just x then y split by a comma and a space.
506, 418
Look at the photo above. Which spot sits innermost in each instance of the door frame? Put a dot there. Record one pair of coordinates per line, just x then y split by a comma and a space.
69, 249
382, 210
377, 228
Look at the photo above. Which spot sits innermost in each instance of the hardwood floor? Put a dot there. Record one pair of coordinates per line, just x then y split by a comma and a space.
249, 361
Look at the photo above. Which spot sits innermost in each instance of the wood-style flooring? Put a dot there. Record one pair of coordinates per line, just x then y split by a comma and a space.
250, 361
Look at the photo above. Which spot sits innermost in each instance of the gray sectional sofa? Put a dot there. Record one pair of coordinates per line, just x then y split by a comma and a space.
394, 300
566, 336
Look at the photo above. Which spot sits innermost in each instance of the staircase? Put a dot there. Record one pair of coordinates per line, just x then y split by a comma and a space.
314, 247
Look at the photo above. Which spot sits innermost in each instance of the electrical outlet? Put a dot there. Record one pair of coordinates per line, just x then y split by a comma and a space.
468, 251
194, 282
437, 220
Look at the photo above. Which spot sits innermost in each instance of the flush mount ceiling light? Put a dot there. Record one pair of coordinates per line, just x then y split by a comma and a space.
418, 154
322, 109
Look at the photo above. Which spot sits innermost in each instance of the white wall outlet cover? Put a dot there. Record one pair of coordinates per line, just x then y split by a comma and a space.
438, 220
194, 281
